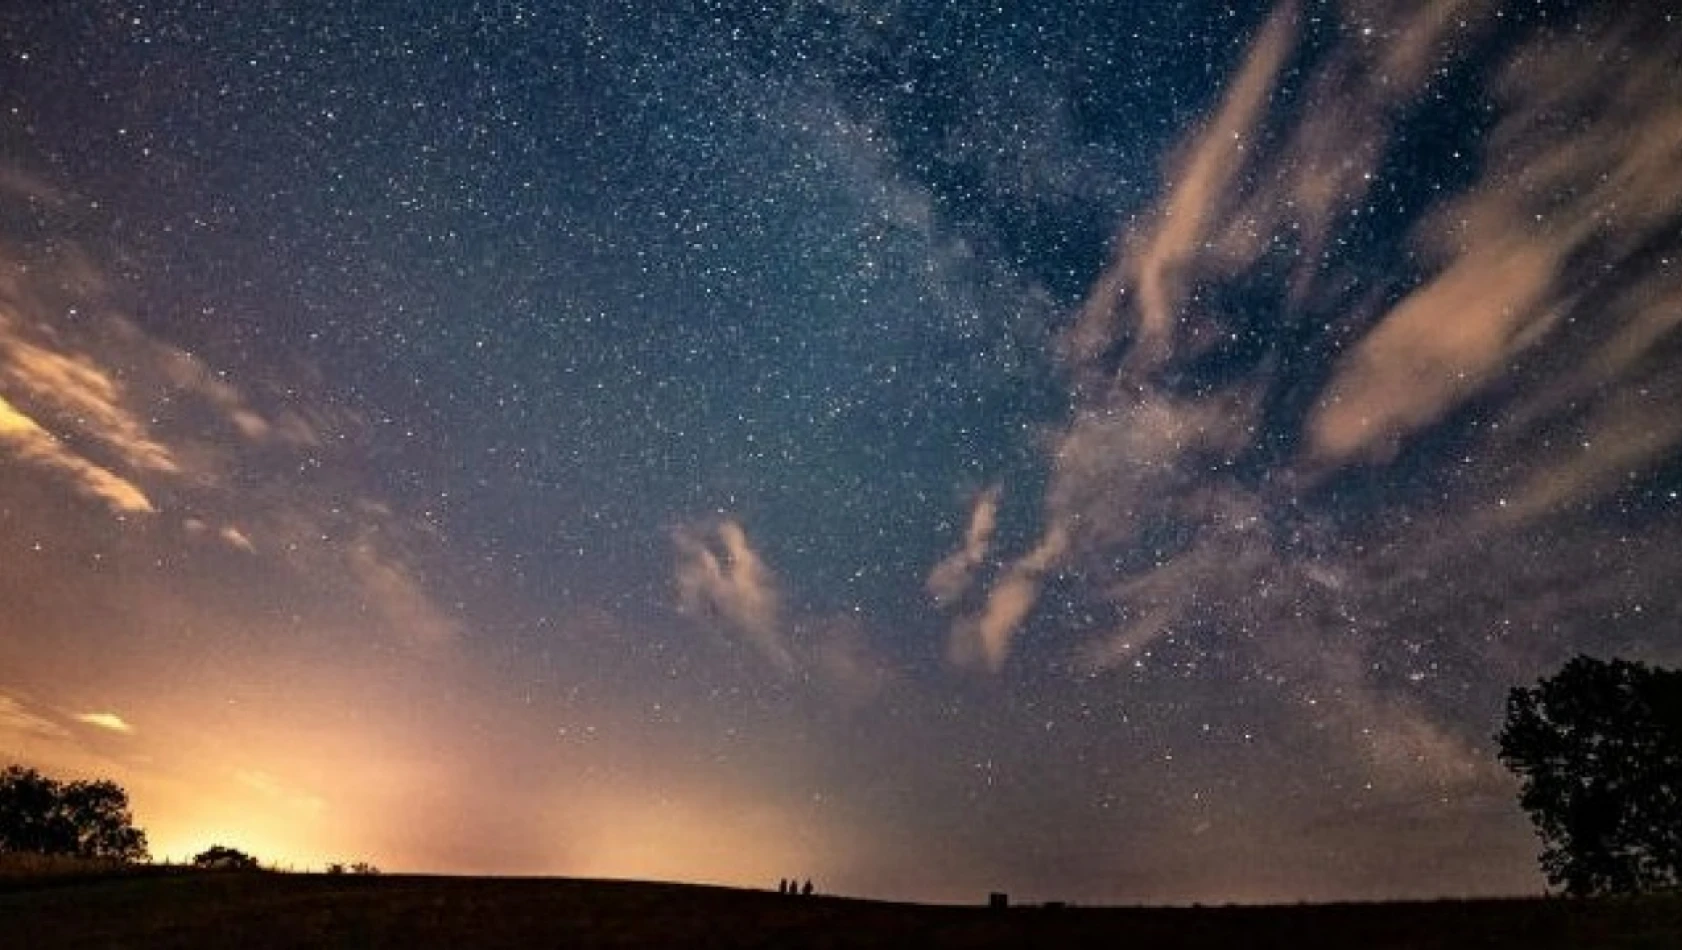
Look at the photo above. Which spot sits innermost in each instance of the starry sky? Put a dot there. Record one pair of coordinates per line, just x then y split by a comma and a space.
1101, 451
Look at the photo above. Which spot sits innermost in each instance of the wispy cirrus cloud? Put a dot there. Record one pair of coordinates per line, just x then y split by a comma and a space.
952, 577
74, 388
278, 792
1530, 248
984, 637
237, 538
393, 589
87, 395
1197, 495
718, 572
26, 441
19, 720
723, 580
1158, 265
108, 721
95, 406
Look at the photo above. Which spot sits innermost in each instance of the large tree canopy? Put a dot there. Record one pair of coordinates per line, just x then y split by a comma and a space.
40, 815
1599, 749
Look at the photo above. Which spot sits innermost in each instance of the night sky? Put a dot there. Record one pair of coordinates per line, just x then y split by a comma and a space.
1099, 451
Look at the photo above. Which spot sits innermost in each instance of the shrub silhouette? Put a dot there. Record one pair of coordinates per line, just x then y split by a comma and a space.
222, 858
1599, 749
40, 815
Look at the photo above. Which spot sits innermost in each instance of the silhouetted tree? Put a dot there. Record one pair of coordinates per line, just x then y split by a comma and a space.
219, 857
1598, 746
40, 815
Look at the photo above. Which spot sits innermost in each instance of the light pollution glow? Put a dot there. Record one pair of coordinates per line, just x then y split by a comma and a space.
1256, 622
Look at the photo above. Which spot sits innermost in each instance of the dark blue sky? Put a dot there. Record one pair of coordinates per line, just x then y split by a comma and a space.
1109, 451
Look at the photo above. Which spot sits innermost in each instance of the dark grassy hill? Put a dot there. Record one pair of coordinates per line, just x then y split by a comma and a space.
258, 910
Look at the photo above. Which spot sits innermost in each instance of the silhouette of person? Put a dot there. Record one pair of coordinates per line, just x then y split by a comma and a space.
806, 889
782, 885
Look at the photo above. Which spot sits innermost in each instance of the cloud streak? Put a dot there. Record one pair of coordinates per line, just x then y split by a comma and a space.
395, 592
1205, 499
1127, 441
93, 402
719, 573
1159, 270
952, 577
108, 721
19, 721
72, 387
1527, 246
27, 442
723, 581
983, 638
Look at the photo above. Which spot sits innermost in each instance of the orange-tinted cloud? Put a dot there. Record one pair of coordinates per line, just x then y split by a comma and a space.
1126, 447
109, 721
72, 387
237, 538
1437, 347
119, 415
984, 638
1550, 257
1388, 56
719, 572
395, 592
951, 578
19, 721
723, 580
1582, 178
1160, 259
26, 441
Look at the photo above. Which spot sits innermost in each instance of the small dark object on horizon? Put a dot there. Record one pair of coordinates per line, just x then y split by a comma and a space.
223, 858
998, 900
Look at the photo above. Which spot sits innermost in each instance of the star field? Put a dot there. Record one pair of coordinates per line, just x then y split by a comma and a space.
1105, 452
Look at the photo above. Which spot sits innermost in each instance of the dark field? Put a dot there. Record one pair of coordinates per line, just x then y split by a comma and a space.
254, 910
